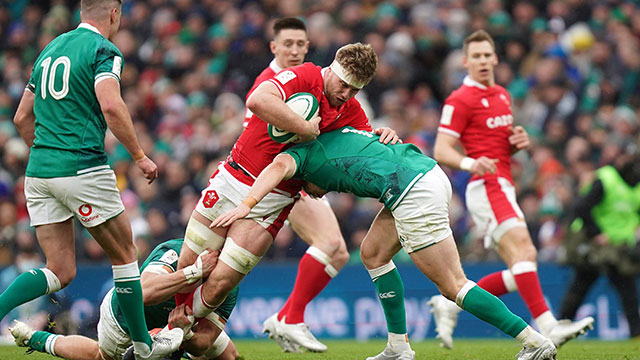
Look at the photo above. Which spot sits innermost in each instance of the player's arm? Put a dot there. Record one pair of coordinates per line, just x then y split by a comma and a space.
519, 139
25, 119
266, 103
119, 121
159, 283
201, 337
283, 167
445, 153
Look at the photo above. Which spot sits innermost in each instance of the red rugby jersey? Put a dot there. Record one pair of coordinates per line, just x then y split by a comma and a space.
254, 149
481, 117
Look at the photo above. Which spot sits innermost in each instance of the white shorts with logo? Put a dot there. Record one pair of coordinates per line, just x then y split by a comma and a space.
225, 192
92, 197
422, 217
494, 208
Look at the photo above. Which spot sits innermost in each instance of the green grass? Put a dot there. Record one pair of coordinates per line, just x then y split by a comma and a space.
489, 349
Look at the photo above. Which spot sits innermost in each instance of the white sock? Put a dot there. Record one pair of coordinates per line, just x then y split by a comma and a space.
546, 322
398, 342
530, 338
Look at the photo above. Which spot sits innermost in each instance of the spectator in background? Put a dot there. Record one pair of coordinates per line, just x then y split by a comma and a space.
604, 238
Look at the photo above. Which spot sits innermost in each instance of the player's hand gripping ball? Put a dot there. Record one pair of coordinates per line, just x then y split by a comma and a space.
303, 104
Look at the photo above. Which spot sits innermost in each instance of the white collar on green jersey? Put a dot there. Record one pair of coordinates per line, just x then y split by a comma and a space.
89, 27
470, 82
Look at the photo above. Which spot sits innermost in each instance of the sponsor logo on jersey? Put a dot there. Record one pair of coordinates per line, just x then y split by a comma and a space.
485, 102
123, 290
117, 65
285, 76
447, 114
499, 121
85, 209
387, 295
505, 99
210, 198
387, 195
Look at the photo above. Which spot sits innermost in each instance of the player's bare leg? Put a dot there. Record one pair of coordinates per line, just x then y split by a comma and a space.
440, 262
377, 249
246, 243
314, 221
58, 244
516, 249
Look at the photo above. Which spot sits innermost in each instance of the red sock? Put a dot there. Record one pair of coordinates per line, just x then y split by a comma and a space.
310, 281
285, 309
531, 292
494, 284
181, 298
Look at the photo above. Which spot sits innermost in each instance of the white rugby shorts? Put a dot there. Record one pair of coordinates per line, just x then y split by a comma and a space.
225, 192
493, 206
422, 217
92, 197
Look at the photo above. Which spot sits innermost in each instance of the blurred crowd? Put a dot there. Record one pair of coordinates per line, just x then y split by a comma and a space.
571, 66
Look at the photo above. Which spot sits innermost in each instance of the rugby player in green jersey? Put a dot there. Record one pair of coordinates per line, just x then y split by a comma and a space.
160, 281
73, 95
416, 194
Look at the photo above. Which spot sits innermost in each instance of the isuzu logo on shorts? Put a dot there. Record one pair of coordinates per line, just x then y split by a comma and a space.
210, 198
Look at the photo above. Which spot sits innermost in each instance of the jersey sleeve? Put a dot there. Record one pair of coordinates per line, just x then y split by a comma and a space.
108, 62
454, 118
162, 261
294, 80
300, 154
31, 85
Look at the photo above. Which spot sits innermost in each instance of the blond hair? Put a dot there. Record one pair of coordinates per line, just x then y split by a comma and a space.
477, 36
359, 61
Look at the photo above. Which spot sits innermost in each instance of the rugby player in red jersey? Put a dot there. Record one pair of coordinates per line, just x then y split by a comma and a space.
478, 116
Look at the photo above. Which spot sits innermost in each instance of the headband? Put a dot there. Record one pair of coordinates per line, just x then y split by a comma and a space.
337, 69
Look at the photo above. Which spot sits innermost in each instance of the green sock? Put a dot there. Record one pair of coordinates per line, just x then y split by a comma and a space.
391, 294
129, 293
26, 287
492, 310
43, 341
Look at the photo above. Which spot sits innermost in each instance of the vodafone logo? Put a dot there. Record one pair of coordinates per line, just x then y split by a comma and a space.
498, 121
85, 209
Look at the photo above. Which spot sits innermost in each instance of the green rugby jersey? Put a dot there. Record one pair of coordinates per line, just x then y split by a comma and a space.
156, 316
70, 127
354, 161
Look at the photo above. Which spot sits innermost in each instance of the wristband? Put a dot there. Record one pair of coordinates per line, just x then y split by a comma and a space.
467, 163
250, 201
193, 272
139, 155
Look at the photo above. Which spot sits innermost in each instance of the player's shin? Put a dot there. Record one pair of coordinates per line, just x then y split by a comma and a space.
26, 287
129, 293
489, 308
391, 294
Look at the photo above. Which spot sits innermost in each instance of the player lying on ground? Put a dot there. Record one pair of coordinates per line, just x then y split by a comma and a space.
160, 281
416, 195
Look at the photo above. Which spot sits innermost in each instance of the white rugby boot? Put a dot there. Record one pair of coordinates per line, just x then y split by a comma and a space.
271, 326
301, 335
567, 330
21, 333
546, 351
389, 354
445, 314
163, 345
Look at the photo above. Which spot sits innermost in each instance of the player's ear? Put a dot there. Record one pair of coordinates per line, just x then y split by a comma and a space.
272, 47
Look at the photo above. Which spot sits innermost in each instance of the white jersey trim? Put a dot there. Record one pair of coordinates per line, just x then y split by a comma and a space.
449, 131
104, 76
89, 27
468, 81
406, 190
280, 89
95, 168
274, 66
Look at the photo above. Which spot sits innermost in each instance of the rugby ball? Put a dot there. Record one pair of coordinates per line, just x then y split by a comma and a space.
303, 104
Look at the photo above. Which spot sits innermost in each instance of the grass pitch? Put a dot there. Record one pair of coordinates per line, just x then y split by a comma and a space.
489, 349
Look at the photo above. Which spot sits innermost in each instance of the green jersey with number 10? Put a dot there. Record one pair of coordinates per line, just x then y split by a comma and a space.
355, 161
70, 127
